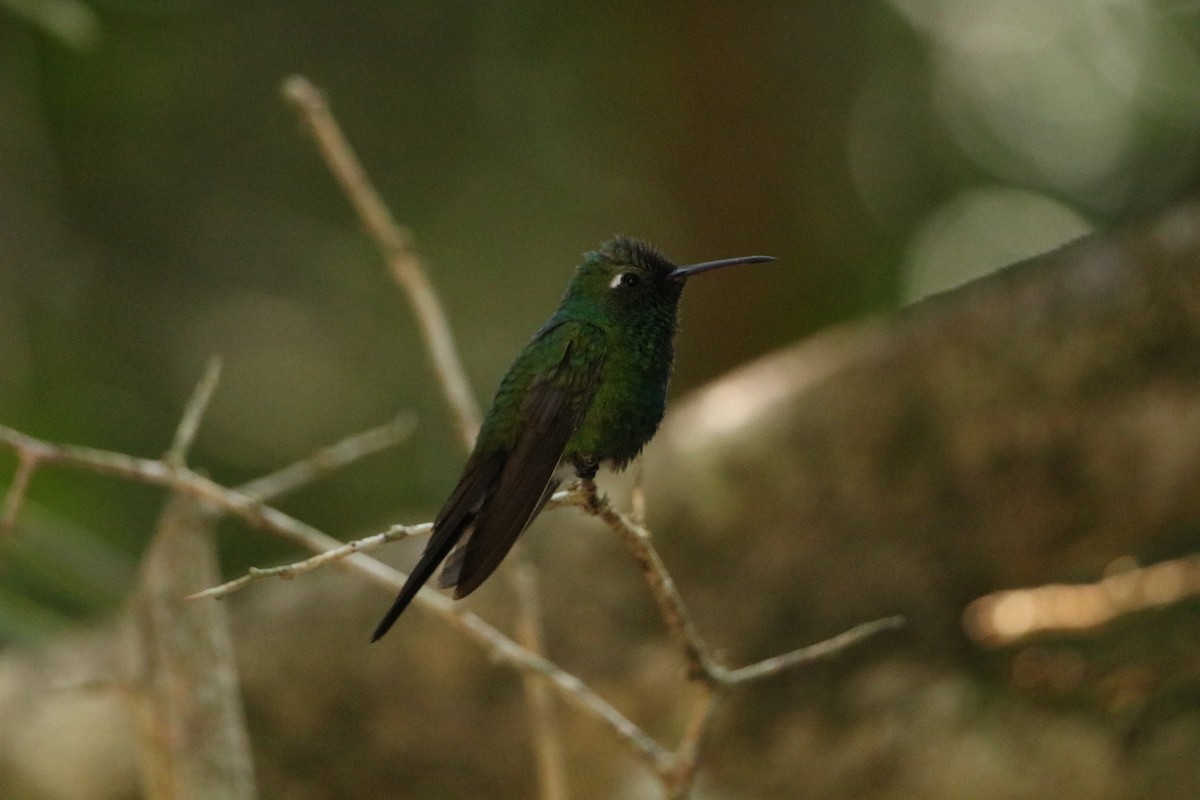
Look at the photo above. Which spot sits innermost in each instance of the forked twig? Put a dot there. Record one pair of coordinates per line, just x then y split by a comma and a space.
687, 753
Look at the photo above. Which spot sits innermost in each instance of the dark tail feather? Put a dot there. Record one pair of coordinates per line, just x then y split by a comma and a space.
472, 563
437, 549
456, 518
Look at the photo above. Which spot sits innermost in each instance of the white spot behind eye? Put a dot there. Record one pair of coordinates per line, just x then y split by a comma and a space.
625, 280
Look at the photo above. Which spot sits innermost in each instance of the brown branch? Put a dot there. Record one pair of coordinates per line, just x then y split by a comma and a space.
182, 674
676, 770
702, 665
570, 688
1001, 618
396, 246
715, 679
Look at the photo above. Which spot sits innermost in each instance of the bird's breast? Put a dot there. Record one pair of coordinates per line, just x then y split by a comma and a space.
626, 409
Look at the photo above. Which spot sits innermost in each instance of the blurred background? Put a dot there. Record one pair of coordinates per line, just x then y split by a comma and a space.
159, 204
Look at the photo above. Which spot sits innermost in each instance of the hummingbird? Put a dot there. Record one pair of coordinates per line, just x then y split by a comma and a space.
589, 389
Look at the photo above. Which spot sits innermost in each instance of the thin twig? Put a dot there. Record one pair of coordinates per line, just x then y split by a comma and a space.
395, 244
813, 652
14, 498
329, 459
288, 571
715, 679
193, 412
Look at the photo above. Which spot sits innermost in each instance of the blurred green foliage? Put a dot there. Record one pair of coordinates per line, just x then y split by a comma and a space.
158, 203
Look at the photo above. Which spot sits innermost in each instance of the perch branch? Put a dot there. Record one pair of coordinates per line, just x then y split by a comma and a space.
671, 607
569, 688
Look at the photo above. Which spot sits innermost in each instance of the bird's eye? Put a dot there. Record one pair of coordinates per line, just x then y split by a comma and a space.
626, 280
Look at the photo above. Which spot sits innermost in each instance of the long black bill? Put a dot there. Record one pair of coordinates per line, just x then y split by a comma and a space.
693, 269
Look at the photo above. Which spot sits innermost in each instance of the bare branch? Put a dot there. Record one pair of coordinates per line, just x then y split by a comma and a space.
329, 459
675, 770
289, 571
395, 244
104, 462
570, 688
813, 652
193, 412
14, 498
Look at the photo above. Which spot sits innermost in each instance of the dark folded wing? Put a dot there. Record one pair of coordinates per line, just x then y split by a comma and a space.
551, 412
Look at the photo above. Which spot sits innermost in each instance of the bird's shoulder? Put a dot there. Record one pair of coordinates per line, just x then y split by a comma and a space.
565, 352
555, 373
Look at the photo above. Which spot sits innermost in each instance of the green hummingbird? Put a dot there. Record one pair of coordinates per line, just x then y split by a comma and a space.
588, 389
